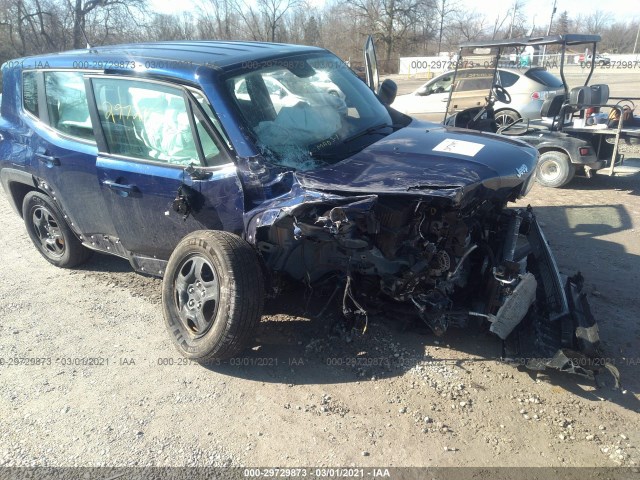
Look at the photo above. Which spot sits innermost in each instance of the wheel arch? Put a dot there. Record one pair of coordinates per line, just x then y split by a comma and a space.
545, 149
502, 109
17, 184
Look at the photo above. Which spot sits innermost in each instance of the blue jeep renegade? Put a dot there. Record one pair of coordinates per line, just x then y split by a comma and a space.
225, 166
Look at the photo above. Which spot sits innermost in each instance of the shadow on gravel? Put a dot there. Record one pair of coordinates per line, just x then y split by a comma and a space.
294, 349
592, 239
297, 347
100, 262
583, 388
627, 178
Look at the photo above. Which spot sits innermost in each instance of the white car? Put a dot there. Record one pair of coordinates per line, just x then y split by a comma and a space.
528, 89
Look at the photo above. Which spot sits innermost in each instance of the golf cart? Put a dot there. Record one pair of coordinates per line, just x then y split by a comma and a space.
574, 135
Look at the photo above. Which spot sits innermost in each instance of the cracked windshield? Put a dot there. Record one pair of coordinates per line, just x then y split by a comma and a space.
308, 113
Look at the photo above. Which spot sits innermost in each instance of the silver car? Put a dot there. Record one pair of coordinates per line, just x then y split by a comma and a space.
528, 89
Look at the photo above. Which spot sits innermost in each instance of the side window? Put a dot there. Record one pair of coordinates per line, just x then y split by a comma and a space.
151, 121
204, 103
441, 86
241, 88
507, 79
470, 84
30, 92
67, 104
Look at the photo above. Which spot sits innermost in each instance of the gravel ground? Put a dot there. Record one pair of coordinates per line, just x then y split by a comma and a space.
109, 388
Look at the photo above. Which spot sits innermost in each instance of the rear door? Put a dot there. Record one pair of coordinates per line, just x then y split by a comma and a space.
164, 168
65, 148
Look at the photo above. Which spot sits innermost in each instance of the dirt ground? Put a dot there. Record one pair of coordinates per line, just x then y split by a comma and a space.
110, 389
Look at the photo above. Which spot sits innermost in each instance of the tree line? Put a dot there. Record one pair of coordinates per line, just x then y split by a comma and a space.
401, 27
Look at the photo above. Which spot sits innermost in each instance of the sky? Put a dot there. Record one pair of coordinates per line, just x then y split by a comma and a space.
620, 10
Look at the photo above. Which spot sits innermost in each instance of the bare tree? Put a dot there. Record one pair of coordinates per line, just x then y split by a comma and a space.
30, 26
518, 25
467, 26
619, 37
595, 23
81, 9
263, 20
445, 9
401, 27
171, 27
563, 25
312, 35
498, 24
389, 20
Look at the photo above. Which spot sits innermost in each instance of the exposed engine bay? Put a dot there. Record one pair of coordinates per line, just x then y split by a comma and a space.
416, 256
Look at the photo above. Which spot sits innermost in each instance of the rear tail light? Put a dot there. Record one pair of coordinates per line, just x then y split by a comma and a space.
584, 151
540, 95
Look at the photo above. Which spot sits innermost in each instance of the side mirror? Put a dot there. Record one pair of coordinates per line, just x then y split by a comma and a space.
423, 91
387, 92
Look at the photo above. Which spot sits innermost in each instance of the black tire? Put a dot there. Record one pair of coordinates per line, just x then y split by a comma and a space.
50, 233
506, 117
212, 295
554, 169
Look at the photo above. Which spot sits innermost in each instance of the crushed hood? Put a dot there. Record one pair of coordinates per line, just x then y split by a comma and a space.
430, 159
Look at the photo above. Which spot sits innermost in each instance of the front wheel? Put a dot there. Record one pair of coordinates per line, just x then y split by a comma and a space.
554, 169
50, 233
212, 295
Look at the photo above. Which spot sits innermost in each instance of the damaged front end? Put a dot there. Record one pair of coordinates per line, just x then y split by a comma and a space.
423, 256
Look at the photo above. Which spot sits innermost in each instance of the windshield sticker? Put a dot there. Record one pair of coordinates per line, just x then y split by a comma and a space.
458, 146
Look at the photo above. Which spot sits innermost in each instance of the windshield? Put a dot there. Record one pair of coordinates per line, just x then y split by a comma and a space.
305, 112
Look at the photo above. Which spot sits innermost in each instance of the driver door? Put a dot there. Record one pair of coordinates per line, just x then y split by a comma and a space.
155, 146
371, 65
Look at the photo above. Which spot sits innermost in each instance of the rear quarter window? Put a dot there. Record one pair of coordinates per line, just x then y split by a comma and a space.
545, 78
508, 79
30, 92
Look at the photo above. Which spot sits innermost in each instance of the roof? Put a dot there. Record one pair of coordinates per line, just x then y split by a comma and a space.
568, 39
175, 55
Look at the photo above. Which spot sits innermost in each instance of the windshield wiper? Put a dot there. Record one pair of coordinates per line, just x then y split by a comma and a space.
367, 131
333, 153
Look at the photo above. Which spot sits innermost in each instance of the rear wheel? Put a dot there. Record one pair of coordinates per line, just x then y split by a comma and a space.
506, 117
554, 169
50, 233
212, 295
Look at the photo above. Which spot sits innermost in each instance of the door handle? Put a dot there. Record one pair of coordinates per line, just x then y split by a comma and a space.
121, 189
48, 160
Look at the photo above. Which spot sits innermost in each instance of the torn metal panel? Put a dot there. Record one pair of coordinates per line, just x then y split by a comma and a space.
515, 307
